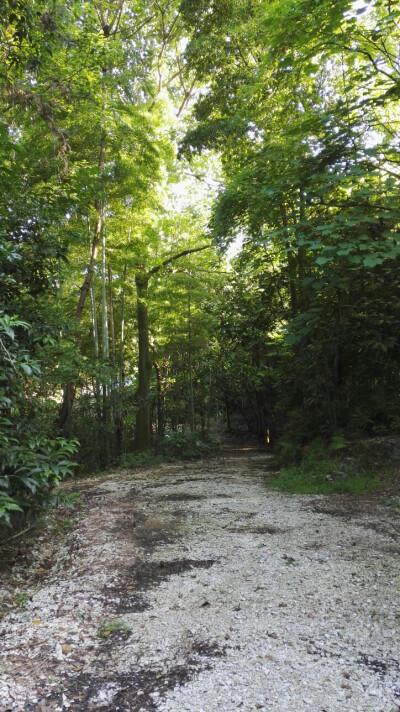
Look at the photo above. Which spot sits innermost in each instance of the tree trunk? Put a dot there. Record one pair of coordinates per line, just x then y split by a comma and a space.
94, 322
95, 243
301, 259
160, 402
104, 315
191, 389
120, 377
142, 429
95, 349
228, 413
112, 325
292, 267
69, 390
122, 340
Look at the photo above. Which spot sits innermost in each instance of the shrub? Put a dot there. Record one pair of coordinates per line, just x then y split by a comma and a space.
320, 472
140, 459
186, 445
28, 474
31, 463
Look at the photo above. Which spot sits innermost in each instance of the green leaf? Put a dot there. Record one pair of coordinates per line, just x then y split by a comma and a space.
372, 260
30, 483
26, 368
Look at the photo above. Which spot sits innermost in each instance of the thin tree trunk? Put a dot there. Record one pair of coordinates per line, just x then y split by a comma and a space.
95, 348
96, 240
228, 413
292, 268
94, 322
112, 326
70, 389
209, 402
115, 410
191, 401
302, 257
142, 429
121, 376
121, 344
160, 401
104, 315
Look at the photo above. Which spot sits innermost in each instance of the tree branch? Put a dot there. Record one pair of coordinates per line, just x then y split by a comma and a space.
373, 61
168, 261
356, 205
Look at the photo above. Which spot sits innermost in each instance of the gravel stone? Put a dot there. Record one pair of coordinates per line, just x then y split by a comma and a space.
195, 587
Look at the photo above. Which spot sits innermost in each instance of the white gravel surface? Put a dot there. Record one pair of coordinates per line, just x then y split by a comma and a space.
236, 598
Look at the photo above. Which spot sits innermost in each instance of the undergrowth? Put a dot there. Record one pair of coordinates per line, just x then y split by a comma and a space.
336, 467
173, 446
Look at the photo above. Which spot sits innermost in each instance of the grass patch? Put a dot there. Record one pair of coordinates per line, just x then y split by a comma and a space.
301, 480
323, 471
140, 459
22, 599
113, 627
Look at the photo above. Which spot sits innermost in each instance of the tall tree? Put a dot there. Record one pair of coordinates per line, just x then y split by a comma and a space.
298, 106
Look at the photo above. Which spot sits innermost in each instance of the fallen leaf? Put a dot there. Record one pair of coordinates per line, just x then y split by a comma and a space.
66, 702
37, 622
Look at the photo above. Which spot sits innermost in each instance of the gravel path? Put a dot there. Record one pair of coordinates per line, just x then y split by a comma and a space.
196, 588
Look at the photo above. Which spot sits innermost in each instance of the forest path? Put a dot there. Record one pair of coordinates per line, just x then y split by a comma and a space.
195, 588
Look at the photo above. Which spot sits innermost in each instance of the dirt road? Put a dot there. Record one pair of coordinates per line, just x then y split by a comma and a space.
195, 587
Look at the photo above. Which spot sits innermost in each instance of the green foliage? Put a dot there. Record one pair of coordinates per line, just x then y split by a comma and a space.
110, 627
299, 104
319, 474
302, 333
32, 464
142, 459
186, 445
22, 599
28, 474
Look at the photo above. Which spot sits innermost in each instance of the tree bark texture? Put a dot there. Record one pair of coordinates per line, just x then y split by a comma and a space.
142, 429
